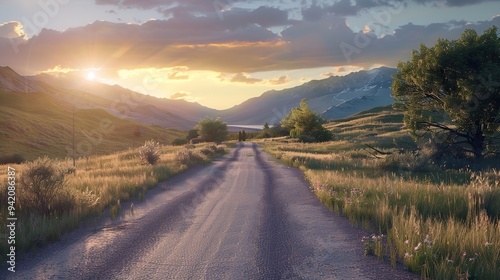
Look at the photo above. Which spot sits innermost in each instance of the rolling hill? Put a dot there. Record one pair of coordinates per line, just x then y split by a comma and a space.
125, 103
35, 124
37, 111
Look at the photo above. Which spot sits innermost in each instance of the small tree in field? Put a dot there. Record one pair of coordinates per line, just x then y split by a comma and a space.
212, 130
306, 125
193, 133
452, 92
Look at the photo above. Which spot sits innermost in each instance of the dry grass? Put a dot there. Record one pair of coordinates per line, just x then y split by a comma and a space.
97, 187
442, 224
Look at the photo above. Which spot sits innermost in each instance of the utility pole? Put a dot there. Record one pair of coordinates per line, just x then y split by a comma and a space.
74, 161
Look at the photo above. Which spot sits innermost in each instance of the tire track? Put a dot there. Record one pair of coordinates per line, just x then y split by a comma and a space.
134, 238
275, 243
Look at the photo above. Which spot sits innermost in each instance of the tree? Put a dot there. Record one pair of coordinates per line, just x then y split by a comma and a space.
448, 91
212, 130
278, 130
243, 135
306, 125
266, 131
193, 133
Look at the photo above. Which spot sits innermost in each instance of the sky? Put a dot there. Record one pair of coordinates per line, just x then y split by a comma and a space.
220, 53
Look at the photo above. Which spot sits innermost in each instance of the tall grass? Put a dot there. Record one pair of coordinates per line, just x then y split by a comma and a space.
96, 187
442, 224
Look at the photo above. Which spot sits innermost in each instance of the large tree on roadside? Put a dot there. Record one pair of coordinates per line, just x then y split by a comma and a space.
212, 130
452, 92
306, 124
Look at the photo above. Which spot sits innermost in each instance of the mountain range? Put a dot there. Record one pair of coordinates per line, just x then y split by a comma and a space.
334, 97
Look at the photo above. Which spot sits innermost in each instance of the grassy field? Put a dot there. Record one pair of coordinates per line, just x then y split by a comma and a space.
96, 188
37, 124
442, 223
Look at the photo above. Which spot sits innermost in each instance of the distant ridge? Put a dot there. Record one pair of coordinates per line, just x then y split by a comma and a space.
10, 81
334, 97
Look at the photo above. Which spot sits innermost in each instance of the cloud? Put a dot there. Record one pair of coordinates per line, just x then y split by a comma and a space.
248, 79
12, 30
244, 78
201, 43
279, 80
350, 8
177, 73
180, 95
453, 3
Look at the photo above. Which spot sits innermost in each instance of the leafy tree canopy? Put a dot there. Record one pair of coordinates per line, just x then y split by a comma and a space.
452, 92
212, 130
306, 124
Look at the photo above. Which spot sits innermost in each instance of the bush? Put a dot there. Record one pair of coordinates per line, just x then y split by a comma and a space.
42, 188
180, 141
150, 152
405, 162
196, 140
13, 158
212, 149
306, 139
189, 157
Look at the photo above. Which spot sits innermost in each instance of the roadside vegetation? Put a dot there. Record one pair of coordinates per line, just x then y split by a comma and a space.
53, 197
425, 178
442, 223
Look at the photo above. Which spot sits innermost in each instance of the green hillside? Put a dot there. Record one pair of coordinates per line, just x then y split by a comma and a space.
37, 124
380, 127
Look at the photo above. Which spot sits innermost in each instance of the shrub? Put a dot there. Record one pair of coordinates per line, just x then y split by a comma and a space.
42, 188
212, 149
180, 141
196, 140
150, 152
306, 139
193, 133
188, 157
12, 158
405, 162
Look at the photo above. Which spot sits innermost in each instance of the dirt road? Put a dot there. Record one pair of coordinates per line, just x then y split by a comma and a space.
245, 216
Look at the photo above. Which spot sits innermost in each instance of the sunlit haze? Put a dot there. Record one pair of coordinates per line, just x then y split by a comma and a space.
221, 53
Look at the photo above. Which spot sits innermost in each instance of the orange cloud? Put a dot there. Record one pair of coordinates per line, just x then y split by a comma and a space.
180, 95
279, 80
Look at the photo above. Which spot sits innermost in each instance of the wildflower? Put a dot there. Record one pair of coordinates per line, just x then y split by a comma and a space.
427, 241
488, 244
407, 241
418, 246
464, 254
408, 255
448, 260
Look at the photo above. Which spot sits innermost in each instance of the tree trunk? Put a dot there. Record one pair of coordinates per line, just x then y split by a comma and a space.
477, 143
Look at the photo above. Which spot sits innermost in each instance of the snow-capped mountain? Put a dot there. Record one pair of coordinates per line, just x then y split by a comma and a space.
334, 97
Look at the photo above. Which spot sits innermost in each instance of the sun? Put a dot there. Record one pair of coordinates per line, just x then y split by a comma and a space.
91, 75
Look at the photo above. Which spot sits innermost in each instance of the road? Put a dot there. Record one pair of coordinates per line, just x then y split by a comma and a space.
245, 216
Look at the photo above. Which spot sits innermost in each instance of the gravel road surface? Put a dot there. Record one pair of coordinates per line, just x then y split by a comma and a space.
244, 216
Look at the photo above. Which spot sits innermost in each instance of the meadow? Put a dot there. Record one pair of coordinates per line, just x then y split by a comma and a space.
442, 223
96, 187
